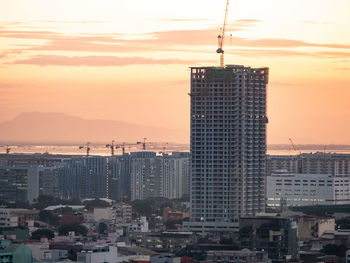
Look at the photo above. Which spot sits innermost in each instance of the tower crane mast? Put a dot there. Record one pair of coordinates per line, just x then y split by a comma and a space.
111, 146
8, 149
221, 37
87, 147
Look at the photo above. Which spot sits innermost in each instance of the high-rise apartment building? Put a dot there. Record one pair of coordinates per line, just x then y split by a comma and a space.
174, 177
228, 145
153, 175
144, 175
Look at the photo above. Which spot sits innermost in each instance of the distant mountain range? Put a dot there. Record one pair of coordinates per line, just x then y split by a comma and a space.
38, 127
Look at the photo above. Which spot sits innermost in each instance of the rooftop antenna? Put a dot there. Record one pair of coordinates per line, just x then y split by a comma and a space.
221, 38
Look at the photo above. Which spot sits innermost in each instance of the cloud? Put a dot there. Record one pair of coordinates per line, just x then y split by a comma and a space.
97, 61
6, 53
315, 22
29, 34
342, 69
183, 19
284, 52
8, 86
168, 40
174, 40
71, 21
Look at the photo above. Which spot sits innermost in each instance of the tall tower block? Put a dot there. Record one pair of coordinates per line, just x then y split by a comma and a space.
228, 145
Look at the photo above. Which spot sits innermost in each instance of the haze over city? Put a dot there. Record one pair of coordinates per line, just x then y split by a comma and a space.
128, 60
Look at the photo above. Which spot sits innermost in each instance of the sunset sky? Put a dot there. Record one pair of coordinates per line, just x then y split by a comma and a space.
128, 60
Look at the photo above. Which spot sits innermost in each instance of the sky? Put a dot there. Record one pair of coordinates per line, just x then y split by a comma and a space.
129, 60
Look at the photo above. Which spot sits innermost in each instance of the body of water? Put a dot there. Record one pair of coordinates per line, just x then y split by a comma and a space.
99, 149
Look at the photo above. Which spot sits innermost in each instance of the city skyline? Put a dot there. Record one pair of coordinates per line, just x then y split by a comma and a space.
129, 61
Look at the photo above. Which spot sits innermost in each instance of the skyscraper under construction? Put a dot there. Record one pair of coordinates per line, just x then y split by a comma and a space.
228, 145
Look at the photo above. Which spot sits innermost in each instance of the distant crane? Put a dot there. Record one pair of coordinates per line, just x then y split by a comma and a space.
123, 146
294, 148
87, 147
144, 143
163, 152
8, 149
221, 37
111, 146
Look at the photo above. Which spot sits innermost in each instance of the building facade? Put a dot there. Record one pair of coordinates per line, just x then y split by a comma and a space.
174, 182
228, 145
153, 175
19, 183
307, 189
310, 163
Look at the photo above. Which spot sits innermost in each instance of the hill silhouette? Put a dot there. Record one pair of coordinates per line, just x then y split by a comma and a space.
59, 127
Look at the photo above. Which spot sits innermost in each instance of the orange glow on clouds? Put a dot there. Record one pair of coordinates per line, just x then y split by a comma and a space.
128, 60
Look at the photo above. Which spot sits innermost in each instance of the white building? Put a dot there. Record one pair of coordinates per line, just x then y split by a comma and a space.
104, 213
174, 177
144, 175
139, 225
307, 189
17, 217
98, 254
40, 250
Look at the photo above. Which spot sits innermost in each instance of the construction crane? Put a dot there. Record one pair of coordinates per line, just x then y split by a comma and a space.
111, 146
221, 37
144, 143
163, 152
124, 145
294, 148
87, 147
7, 148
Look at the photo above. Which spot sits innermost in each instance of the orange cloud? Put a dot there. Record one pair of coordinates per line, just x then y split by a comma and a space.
175, 40
97, 61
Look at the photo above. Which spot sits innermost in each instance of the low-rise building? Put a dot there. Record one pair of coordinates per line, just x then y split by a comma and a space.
273, 233
139, 225
236, 256
123, 213
14, 253
17, 217
347, 256
165, 259
40, 250
98, 254
14, 233
310, 227
285, 189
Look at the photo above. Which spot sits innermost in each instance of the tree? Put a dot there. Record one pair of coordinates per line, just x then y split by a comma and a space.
78, 229
102, 228
45, 201
171, 224
42, 233
153, 206
96, 203
343, 223
48, 217
336, 250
